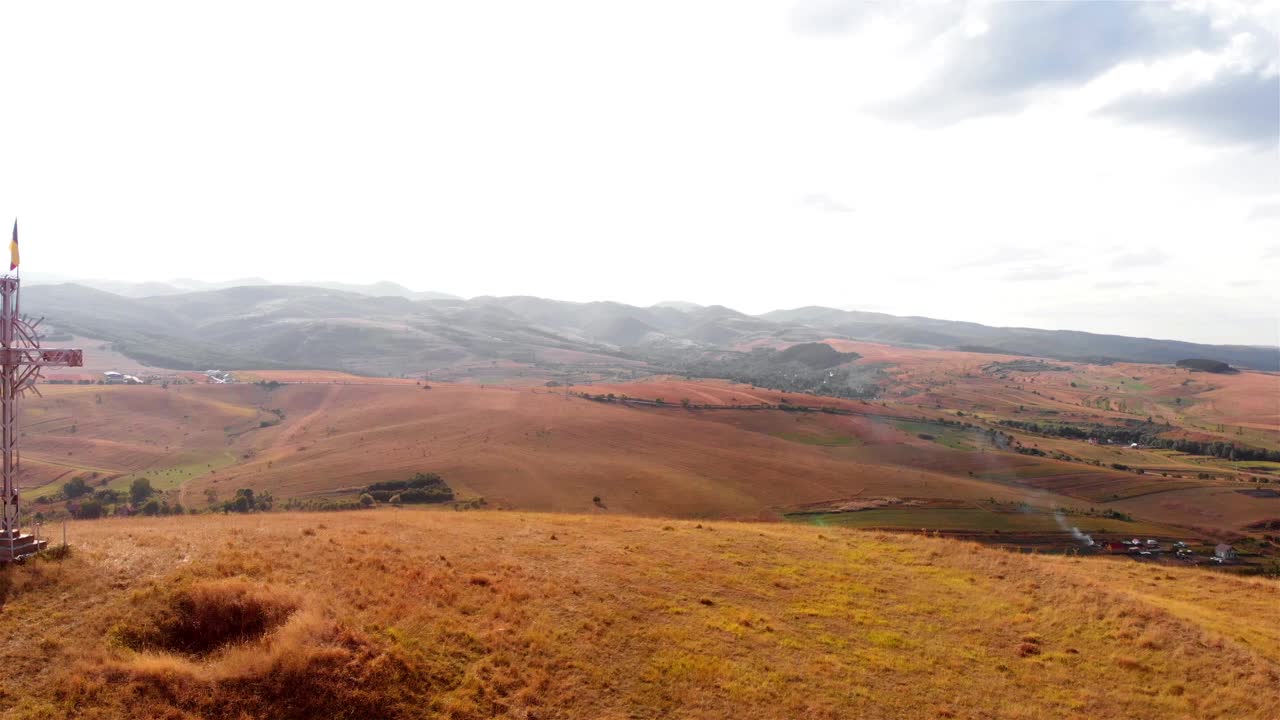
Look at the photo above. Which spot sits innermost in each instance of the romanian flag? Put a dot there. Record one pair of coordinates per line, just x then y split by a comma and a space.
13, 248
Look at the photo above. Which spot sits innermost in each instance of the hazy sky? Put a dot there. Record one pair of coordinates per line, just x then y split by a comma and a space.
1099, 166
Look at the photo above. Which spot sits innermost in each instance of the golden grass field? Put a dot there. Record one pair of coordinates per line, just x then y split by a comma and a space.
437, 614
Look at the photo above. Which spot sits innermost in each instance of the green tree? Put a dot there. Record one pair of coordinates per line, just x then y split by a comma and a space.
107, 496
75, 487
88, 510
140, 490
366, 500
243, 502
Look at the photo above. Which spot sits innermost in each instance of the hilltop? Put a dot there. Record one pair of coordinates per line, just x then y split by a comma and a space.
420, 614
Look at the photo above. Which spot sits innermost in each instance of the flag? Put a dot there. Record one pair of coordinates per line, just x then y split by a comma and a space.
13, 248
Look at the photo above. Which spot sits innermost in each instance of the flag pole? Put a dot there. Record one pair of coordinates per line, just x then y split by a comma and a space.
17, 272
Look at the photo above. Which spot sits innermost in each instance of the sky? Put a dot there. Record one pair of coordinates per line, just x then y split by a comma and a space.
1102, 166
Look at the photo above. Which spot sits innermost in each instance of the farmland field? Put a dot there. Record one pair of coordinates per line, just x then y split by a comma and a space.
984, 520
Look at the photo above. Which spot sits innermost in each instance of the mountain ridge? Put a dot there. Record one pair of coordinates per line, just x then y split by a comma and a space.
277, 325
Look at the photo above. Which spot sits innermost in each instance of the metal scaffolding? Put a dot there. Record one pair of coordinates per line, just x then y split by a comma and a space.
21, 360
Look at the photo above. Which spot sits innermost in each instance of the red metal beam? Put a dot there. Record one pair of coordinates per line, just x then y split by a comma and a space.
40, 356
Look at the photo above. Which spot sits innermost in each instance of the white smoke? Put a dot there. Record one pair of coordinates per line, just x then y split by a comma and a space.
1075, 531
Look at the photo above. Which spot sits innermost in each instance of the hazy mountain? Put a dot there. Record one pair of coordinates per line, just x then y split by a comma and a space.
179, 286
393, 330
677, 305
1062, 344
380, 289
190, 285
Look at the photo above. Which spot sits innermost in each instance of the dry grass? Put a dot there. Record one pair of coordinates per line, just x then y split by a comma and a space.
408, 614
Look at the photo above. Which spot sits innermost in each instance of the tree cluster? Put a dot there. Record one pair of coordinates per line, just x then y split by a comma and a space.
421, 488
246, 501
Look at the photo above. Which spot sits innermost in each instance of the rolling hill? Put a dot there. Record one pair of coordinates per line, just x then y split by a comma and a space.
517, 448
682, 448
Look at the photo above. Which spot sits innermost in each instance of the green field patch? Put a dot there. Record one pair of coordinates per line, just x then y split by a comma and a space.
974, 519
1266, 466
822, 440
53, 488
938, 433
163, 478
1177, 402
168, 478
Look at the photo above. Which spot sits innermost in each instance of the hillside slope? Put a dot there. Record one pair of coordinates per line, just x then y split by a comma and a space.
420, 614
524, 448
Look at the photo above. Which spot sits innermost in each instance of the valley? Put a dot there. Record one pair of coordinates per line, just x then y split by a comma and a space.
949, 429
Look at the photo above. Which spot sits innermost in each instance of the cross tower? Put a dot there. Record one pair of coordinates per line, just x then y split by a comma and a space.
21, 359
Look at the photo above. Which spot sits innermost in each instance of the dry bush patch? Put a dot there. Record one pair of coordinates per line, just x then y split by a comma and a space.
230, 648
309, 667
207, 616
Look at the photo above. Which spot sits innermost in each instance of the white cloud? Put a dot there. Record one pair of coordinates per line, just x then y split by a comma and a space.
594, 151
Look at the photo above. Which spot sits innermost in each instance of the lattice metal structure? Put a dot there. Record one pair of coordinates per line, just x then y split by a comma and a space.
21, 360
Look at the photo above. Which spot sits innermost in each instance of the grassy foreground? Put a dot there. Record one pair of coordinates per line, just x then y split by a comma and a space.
408, 614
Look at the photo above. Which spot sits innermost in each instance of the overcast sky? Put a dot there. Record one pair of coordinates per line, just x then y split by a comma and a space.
1100, 166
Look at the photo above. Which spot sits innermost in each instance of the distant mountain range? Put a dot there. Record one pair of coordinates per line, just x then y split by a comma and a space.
186, 285
388, 329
